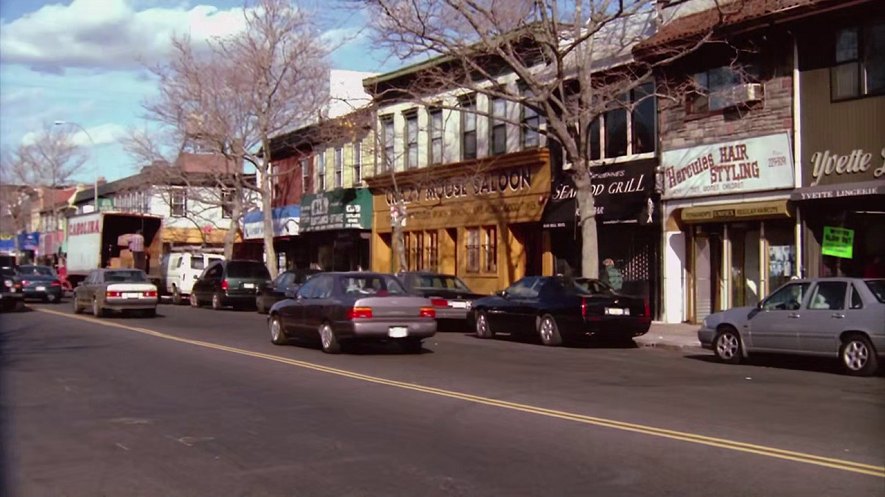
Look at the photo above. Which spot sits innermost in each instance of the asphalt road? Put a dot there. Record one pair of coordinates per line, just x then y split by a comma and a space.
198, 403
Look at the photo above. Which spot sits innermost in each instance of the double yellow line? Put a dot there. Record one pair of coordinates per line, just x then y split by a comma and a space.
839, 464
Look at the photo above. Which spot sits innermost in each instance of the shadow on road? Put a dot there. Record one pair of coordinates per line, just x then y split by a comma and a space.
782, 361
584, 343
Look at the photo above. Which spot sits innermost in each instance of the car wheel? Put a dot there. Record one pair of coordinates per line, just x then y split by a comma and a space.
97, 311
176, 296
53, 298
328, 340
216, 302
277, 335
195, 302
483, 330
858, 356
548, 331
727, 345
75, 305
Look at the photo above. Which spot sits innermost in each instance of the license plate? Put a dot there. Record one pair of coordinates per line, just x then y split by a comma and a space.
132, 295
41, 288
457, 305
248, 285
398, 331
617, 311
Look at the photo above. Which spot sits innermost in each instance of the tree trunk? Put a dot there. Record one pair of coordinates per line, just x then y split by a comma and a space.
587, 220
231, 236
270, 254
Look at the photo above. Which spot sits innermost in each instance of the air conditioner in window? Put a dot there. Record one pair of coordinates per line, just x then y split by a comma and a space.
736, 95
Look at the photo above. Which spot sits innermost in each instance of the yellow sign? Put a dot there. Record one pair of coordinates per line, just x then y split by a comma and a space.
735, 212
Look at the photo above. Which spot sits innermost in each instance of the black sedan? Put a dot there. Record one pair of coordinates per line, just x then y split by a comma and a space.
275, 291
450, 296
558, 309
40, 282
11, 296
334, 308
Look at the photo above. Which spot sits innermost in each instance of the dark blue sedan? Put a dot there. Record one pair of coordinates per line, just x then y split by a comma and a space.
558, 309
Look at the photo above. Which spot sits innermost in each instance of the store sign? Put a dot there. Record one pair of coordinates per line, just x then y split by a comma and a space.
751, 164
285, 222
514, 179
340, 209
838, 242
622, 193
856, 165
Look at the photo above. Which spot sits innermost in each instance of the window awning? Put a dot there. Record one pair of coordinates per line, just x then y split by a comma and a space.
740, 211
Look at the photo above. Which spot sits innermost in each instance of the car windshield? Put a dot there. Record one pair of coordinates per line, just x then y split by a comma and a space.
878, 289
36, 270
254, 270
592, 287
440, 281
370, 284
125, 277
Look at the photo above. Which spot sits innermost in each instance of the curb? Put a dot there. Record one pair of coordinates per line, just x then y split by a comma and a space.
668, 346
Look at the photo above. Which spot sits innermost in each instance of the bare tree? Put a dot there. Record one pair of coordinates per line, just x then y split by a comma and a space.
572, 62
246, 88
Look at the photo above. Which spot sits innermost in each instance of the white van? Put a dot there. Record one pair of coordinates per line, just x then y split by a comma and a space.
181, 270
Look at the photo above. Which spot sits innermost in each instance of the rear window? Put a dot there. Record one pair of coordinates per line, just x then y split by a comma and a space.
878, 289
438, 281
125, 277
36, 270
242, 269
379, 285
592, 287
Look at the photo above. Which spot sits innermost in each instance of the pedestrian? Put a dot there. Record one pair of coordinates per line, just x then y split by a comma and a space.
612, 275
136, 246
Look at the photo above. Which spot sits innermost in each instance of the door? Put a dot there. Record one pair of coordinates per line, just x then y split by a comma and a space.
706, 268
204, 287
292, 315
822, 320
505, 316
773, 326
522, 318
173, 272
315, 309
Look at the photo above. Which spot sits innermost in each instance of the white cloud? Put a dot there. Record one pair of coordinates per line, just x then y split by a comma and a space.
93, 136
108, 34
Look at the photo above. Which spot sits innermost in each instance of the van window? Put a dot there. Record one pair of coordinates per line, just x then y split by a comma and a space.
247, 269
197, 263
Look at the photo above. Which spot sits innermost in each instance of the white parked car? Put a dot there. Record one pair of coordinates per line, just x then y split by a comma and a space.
115, 290
181, 269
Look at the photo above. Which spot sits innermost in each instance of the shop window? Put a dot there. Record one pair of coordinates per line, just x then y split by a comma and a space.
468, 128
473, 250
859, 68
628, 130
305, 176
227, 203
178, 202
357, 163
436, 136
388, 139
432, 251
419, 251
490, 249
642, 119
531, 123
498, 126
339, 166
411, 139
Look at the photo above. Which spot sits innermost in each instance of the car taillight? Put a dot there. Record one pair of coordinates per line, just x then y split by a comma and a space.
439, 302
113, 294
225, 285
150, 293
55, 283
586, 311
584, 308
359, 313
646, 309
25, 282
427, 312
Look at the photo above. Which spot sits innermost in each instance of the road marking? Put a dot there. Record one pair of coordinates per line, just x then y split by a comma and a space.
833, 463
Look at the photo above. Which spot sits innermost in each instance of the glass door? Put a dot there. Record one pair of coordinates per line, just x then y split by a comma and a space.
745, 265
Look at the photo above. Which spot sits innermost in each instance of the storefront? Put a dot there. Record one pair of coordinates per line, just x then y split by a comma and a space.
335, 230
627, 223
478, 219
841, 202
729, 231
285, 231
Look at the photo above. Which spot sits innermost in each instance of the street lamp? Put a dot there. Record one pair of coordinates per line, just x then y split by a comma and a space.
95, 184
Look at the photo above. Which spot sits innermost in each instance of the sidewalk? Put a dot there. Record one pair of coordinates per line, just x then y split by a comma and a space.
671, 336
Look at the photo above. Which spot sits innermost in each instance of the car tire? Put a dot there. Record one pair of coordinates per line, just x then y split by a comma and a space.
858, 356
412, 345
216, 302
53, 298
77, 308
97, 311
277, 335
549, 331
195, 302
176, 296
727, 345
328, 340
483, 329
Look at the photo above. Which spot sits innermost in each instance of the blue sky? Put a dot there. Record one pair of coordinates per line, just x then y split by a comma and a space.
83, 61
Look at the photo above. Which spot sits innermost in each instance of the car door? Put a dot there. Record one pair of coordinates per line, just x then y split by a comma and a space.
204, 287
823, 317
526, 305
292, 314
503, 314
315, 308
772, 326
83, 293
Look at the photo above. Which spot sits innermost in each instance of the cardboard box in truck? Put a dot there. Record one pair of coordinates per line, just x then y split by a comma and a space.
92, 241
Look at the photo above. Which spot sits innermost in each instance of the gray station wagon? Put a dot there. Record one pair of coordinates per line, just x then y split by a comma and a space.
831, 317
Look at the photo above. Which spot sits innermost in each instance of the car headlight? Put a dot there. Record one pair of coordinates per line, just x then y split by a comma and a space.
7, 283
